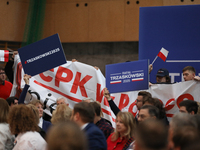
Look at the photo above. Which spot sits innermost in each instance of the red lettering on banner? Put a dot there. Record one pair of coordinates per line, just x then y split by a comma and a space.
131, 108
79, 83
46, 78
99, 94
57, 91
182, 97
123, 102
169, 104
59, 74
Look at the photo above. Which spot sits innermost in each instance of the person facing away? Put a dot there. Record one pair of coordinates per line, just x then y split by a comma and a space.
83, 114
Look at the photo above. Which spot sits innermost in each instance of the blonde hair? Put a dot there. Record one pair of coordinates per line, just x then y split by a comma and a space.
129, 121
62, 113
35, 102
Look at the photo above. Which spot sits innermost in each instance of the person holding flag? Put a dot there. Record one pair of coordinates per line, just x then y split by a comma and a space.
162, 76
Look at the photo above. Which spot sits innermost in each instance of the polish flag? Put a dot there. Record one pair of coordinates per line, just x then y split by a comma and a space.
163, 54
4, 55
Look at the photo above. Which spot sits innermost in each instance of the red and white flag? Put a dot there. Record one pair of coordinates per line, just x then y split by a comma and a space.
163, 54
4, 55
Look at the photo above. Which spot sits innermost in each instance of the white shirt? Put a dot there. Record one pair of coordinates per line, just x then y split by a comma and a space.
6, 139
83, 126
40, 123
30, 141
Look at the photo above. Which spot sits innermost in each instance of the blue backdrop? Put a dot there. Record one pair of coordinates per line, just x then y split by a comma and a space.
177, 29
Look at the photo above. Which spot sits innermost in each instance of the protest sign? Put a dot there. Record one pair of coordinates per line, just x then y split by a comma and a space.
128, 76
76, 81
42, 55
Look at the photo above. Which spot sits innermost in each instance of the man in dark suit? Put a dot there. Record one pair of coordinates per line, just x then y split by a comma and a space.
83, 114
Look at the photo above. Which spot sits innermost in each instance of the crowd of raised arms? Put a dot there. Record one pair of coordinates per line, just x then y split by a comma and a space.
25, 127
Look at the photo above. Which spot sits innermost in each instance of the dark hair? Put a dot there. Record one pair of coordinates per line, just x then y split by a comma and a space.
2, 68
168, 79
189, 68
145, 95
150, 100
97, 108
190, 105
85, 110
4, 110
153, 111
185, 136
11, 100
22, 119
159, 105
152, 134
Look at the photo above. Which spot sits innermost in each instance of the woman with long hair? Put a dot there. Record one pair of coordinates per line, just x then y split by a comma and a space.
61, 114
6, 139
23, 124
124, 131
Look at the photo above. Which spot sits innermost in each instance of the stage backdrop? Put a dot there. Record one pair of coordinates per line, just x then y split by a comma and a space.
175, 28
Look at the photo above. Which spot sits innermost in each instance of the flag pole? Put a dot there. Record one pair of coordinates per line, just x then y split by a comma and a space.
154, 59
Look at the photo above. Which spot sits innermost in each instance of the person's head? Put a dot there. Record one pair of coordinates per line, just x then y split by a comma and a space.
66, 136
151, 134
97, 108
62, 113
88, 100
142, 96
62, 100
2, 75
39, 105
162, 76
125, 125
180, 120
149, 101
185, 136
12, 101
188, 106
148, 111
189, 73
22, 119
159, 105
35, 111
82, 113
4, 110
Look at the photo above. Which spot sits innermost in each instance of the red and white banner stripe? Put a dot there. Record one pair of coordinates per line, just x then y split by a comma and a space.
4, 55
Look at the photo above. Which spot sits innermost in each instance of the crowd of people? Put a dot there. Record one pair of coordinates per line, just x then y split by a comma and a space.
83, 127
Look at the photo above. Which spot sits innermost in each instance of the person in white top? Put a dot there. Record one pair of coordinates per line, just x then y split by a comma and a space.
6, 139
23, 123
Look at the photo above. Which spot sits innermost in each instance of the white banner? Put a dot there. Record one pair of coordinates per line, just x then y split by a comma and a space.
76, 81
